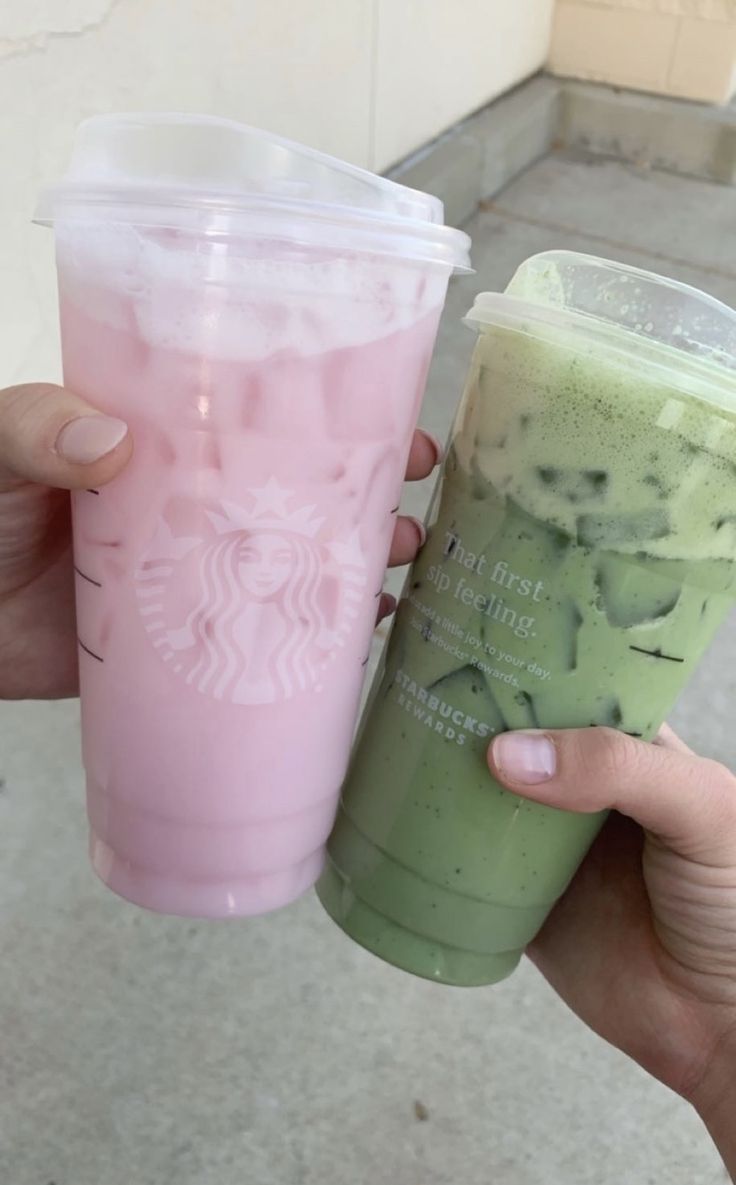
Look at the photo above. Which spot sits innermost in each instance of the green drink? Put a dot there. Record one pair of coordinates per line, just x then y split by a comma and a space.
581, 554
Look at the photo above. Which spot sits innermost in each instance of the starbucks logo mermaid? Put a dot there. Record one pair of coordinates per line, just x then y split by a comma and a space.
253, 606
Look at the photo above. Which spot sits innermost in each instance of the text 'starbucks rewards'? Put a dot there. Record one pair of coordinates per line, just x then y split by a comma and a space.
581, 554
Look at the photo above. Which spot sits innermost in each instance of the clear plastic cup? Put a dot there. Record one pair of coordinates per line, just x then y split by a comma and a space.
580, 556
263, 317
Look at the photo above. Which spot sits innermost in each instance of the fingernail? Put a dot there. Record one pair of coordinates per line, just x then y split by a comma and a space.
525, 757
386, 606
420, 529
89, 438
439, 448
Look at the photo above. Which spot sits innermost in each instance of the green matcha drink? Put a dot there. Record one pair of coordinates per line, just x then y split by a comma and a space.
581, 554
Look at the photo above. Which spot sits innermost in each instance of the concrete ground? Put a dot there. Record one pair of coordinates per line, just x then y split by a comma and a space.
139, 1050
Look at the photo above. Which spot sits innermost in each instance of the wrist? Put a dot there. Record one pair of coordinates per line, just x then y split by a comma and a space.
714, 1099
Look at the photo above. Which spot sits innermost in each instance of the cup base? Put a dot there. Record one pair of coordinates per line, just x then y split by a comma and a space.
229, 898
395, 944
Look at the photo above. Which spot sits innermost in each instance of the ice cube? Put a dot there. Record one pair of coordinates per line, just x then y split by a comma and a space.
616, 531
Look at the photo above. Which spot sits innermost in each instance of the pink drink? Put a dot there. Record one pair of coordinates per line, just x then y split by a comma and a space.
228, 581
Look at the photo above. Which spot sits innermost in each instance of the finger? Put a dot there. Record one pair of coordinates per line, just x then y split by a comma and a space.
409, 537
426, 453
386, 606
51, 436
668, 739
687, 801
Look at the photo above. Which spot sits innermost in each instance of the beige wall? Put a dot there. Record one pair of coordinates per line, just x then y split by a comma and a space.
685, 48
369, 80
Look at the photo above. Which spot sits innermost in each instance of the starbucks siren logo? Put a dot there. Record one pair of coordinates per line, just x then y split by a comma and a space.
253, 609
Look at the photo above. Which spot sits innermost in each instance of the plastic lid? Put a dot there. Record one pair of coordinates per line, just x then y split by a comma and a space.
658, 321
178, 169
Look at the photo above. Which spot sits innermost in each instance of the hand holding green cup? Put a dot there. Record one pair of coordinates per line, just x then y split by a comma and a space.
581, 554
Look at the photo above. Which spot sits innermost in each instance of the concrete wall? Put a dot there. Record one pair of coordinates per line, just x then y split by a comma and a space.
369, 80
685, 48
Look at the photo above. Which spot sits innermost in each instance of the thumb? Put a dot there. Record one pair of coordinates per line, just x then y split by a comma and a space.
50, 436
688, 802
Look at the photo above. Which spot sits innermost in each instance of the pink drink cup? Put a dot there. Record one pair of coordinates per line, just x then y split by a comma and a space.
228, 580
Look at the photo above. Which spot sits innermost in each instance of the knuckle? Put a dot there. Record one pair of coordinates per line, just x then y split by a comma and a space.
711, 788
10, 403
720, 775
607, 756
719, 779
18, 399
30, 419
20, 408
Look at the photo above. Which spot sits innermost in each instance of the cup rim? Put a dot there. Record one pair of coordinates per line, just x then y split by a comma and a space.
699, 377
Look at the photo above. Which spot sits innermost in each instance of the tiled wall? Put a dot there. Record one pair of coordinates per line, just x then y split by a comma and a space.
369, 80
685, 48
